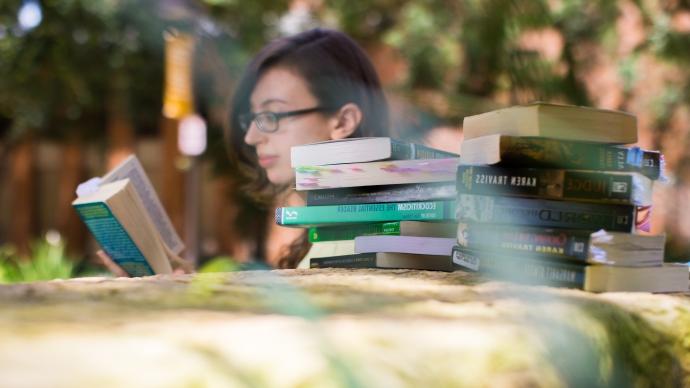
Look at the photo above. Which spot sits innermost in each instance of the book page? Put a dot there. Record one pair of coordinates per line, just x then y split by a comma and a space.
131, 168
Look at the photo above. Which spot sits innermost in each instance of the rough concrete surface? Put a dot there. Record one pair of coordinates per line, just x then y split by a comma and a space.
336, 327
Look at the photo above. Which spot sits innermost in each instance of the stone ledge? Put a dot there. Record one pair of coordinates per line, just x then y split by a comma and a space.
334, 327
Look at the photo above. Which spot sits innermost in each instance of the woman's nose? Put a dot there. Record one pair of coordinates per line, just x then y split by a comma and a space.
253, 135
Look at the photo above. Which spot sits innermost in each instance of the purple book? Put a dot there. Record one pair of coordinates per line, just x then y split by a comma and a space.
405, 244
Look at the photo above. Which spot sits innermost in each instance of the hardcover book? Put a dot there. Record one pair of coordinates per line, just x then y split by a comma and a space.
574, 185
405, 244
381, 194
118, 220
545, 213
396, 228
565, 122
305, 216
544, 153
393, 172
385, 260
594, 278
601, 247
361, 149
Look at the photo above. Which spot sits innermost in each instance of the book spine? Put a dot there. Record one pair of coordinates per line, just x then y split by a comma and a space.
545, 213
404, 150
342, 214
113, 238
382, 194
522, 270
349, 232
544, 152
549, 184
523, 241
363, 260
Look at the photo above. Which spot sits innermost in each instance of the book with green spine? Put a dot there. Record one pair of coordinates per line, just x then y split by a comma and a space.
396, 228
305, 216
574, 185
540, 152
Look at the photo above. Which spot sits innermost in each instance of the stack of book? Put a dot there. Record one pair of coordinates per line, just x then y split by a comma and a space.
376, 203
548, 194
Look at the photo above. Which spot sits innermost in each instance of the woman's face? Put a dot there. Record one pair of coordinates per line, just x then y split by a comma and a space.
282, 90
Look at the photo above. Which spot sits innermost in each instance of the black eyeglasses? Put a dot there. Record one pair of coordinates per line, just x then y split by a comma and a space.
268, 121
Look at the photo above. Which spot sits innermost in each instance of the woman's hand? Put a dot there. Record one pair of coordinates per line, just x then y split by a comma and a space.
179, 265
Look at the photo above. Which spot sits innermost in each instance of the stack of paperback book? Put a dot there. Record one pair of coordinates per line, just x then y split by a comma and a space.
548, 194
375, 203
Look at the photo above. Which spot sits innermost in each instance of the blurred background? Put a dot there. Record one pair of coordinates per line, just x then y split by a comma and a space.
85, 83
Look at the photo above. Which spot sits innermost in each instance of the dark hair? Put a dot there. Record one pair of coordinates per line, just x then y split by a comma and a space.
337, 71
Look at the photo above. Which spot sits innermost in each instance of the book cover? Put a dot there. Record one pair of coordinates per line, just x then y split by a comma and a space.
391, 172
113, 238
545, 213
603, 247
552, 153
385, 260
574, 185
306, 216
381, 194
565, 122
116, 217
360, 150
405, 244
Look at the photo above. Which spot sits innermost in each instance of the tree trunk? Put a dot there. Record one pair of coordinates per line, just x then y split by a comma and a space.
172, 194
23, 209
119, 128
71, 174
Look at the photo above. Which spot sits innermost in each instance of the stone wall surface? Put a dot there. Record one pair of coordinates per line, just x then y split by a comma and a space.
338, 327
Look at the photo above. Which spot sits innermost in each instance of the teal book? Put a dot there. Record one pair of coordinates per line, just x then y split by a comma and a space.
307, 216
116, 217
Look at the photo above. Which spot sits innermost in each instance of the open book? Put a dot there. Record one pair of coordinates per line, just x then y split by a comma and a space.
125, 216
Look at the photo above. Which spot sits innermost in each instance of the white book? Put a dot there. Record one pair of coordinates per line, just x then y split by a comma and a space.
361, 149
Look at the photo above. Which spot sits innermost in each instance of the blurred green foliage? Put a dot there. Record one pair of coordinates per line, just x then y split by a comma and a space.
85, 54
47, 261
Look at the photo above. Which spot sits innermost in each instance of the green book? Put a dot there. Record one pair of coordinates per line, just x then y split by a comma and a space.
553, 183
396, 228
306, 216
511, 151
